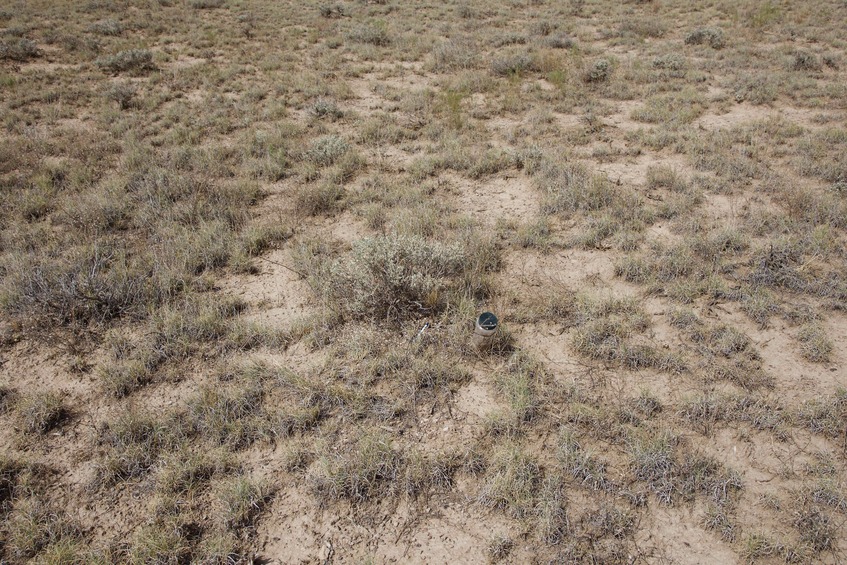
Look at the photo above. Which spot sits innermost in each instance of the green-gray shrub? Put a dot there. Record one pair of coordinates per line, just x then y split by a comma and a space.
106, 27
388, 276
599, 71
513, 64
711, 36
19, 49
327, 149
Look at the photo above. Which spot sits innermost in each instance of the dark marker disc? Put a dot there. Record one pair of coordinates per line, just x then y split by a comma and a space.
487, 321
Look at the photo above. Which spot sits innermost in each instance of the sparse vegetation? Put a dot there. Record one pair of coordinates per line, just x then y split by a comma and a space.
243, 246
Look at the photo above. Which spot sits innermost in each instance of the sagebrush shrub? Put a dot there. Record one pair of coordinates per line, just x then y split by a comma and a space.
327, 149
205, 4
106, 27
599, 71
135, 60
513, 64
711, 36
18, 50
387, 276
805, 61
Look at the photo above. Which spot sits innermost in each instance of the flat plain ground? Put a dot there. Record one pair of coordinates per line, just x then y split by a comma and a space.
243, 243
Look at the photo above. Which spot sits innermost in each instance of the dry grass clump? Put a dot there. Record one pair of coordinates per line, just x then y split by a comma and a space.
567, 188
518, 383
178, 332
108, 27
187, 473
759, 545
34, 526
135, 443
424, 473
159, 543
364, 469
227, 417
240, 501
673, 474
513, 65
580, 464
641, 27
9, 471
206, 4
39, 413
781, 265
558, 41
82, 285
332, 11
499, 547
321, 198
671, 110
605, 329
374, 33
818, 530
804, 61
607, 521
180, 227
825, 416
454, 55
760, 412
8, 396
552, 520
659, 176
828, 493
724, 340
512, 481
126, 376
815, 344
718, 519
534, 235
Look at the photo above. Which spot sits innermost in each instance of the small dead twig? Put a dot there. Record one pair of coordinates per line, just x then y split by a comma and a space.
292, 269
